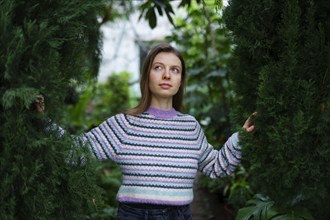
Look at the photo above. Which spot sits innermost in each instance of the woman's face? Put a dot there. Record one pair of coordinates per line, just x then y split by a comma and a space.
165, 76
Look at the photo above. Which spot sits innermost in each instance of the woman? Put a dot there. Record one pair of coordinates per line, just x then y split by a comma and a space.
158, 148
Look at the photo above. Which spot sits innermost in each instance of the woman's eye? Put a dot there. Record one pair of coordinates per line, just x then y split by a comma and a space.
157, 67
175, 70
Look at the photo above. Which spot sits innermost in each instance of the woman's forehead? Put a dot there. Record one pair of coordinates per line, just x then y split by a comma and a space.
167, 58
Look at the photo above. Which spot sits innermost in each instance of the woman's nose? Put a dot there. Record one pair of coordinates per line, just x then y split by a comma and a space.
167, 74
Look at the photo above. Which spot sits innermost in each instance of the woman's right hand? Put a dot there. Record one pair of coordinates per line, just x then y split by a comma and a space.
249, 123
40, 104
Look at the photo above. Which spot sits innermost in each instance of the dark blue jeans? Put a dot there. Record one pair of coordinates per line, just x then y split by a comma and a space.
128, 211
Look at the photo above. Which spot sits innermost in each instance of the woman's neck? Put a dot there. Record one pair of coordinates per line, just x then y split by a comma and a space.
164, 104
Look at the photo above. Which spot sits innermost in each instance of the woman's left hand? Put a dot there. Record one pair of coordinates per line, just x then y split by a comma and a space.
40, 104
249, 123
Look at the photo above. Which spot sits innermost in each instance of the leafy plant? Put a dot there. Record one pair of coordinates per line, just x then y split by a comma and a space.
234, 189
262, 208
150, 8
238, 189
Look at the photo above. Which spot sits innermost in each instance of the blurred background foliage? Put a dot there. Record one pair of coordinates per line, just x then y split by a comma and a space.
94, 102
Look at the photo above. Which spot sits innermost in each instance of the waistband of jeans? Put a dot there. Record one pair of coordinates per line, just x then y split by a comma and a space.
151, 206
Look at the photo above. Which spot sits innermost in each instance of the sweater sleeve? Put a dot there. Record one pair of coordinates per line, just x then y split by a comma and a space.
104, 140
220, 163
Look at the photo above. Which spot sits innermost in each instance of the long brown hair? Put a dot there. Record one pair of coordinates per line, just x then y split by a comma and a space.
145, 100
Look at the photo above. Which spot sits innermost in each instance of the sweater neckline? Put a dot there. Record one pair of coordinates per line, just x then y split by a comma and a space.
161, 113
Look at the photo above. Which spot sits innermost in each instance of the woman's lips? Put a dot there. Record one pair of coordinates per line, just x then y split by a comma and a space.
165, 85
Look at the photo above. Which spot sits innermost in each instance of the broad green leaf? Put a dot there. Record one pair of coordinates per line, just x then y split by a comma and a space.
284, 217
257, 209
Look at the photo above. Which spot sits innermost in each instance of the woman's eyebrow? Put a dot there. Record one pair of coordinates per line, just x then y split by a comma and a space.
177, 66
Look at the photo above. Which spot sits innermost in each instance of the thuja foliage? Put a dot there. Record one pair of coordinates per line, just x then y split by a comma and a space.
45, 46
280, 68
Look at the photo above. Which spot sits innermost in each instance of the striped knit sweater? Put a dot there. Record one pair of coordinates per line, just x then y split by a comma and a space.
159, 153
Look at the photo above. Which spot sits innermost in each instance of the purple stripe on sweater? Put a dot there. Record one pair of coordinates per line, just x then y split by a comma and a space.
148, 146
159, 136
187, 174
180, 182
152, 201
160, 131
156, 159
193, 140
152, 149
151, 123
164, 142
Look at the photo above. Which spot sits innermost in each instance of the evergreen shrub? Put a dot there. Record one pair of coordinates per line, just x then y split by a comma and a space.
280, 69
45, 46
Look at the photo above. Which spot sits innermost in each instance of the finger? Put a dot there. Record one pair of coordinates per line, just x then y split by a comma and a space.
248, 123
251, 119
250, 129
253, 116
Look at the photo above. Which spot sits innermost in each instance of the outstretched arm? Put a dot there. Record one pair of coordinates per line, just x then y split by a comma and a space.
102, 141
223, 162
